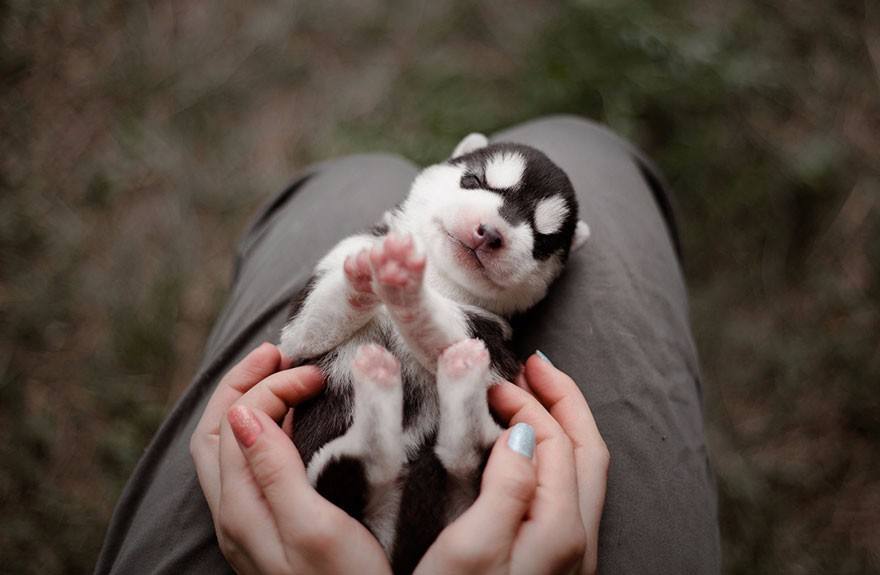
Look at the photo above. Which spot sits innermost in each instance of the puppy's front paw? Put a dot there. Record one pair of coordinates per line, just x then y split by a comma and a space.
398, 270
359, 275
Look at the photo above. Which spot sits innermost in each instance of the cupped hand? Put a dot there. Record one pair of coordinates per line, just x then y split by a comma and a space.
560, 395
267, 516
535, 514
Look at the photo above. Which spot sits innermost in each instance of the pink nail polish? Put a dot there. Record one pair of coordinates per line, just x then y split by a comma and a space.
245, 426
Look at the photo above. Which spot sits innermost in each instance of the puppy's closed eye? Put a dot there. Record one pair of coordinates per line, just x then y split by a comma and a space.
470, 182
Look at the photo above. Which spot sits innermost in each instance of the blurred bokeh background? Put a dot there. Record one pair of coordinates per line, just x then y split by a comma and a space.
136, 138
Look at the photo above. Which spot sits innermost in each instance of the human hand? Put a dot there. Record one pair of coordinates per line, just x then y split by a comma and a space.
267, 516
533, 517
560, 395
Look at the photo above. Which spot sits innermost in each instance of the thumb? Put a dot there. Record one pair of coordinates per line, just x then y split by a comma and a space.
507, 490
275, 465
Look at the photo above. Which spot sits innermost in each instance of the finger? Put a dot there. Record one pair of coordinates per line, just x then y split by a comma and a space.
520, 380
273, 396
244, 522
557, 480
507, 490
287, 423
256, 365
276, 467
565, 401
204, 444
514, 404
276, 394
309, 527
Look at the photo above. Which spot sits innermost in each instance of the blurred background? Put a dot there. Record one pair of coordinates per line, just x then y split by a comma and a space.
136, 138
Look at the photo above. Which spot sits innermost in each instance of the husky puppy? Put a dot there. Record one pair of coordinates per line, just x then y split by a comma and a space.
408, 324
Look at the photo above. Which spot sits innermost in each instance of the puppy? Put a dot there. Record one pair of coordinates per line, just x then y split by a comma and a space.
408, 324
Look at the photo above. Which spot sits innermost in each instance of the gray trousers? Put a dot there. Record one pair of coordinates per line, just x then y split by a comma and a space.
616, 321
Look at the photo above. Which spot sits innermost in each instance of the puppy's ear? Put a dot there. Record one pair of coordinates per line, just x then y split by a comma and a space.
471, 142
581, 234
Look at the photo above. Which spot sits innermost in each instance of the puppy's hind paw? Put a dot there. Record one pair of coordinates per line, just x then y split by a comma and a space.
378, 413
467, 359
375, 365
466, 427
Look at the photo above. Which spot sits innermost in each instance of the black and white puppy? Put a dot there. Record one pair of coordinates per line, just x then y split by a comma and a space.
408, 324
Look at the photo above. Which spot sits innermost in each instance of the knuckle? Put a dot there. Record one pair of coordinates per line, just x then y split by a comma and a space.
320, 537
464, 553
575, 545
200, 443
566, 544
589, 566
603, 455
266, 469
230, 551
227, 547
228, 531
519, 486
565, 442
194, 445
571, 384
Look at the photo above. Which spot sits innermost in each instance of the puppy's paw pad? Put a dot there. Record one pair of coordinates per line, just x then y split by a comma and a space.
463, 358
375, 364
398, 268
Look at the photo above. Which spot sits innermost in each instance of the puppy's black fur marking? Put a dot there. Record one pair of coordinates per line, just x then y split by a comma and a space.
343, 482
415, 398
322, 419
379, 230
421, 518
329, 415
504, 362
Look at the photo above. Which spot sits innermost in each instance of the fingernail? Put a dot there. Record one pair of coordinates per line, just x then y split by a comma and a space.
522, 439
540, 354
244, 425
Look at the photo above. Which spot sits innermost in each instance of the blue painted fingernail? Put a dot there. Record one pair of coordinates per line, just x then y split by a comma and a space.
522, 439
540, 354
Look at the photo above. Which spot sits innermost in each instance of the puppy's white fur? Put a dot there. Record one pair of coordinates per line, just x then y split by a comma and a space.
550, 214
505, 170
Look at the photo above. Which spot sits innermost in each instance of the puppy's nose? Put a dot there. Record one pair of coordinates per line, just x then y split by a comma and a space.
487, 236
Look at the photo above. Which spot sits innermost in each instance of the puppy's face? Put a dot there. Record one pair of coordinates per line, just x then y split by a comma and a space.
497, 220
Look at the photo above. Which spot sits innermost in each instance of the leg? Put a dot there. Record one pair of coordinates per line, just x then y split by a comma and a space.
466, 427
374, 440
338, 301
467, 430
428, 321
